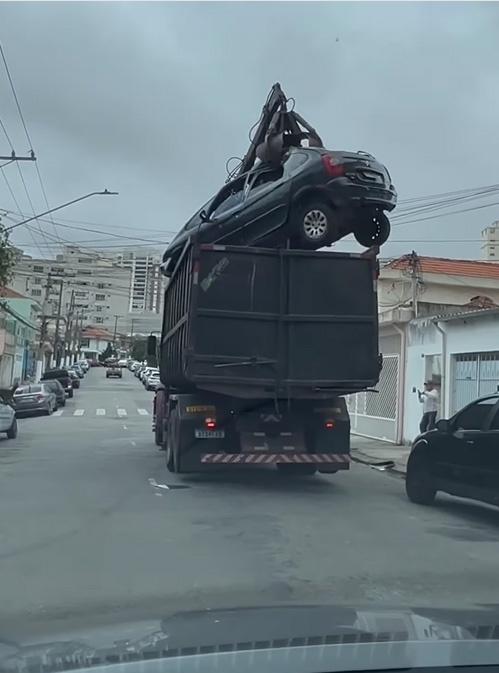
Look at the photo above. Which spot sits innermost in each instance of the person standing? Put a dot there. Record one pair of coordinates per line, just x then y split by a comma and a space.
430, 399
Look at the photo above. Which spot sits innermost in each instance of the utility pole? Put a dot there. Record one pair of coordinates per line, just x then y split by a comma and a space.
43, 328
57, 348
414, 267
115, 330
69, 327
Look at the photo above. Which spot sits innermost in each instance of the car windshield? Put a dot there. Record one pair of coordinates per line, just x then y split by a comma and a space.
254, 247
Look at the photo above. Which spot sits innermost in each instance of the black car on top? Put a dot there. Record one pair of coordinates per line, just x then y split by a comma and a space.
460, 456
314, 198
61, 375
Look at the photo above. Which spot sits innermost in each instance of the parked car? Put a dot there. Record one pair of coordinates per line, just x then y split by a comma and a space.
460, 456
138, 371
314, 198
79, 370
34, 398
58, 391
75, 379
145, 373
8, 422
152, 380
61, 375
84, 365
94, 363
123, 362
114, 371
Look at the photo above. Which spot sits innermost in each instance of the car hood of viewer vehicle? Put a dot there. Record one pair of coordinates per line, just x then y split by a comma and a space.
292, 638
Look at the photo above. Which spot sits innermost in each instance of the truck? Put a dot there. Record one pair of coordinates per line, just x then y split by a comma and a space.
258, 349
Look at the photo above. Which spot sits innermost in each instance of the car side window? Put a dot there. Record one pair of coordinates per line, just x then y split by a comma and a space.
494, 425
229, 197
474, 416
294, 161
263, 178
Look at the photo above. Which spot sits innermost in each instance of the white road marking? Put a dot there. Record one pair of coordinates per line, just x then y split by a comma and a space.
133, 443
100, 412
78, 412
125, 427
143, 412
121, 412
58, 412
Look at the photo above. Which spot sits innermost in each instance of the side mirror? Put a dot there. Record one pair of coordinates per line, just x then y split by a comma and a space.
203, 216
151, 346
443, 425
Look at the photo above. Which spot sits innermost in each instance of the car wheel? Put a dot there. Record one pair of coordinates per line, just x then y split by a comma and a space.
71, 393
314, 224
419, 482
63, 403
296, 470
373, 228
12, 431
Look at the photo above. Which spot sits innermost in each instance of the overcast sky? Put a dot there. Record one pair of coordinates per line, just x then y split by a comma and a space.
150, 99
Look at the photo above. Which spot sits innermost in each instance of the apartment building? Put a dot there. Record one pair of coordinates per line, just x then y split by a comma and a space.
146, 283
490, 242
101, 287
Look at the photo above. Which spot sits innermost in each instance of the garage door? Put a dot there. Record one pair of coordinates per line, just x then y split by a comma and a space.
474, 375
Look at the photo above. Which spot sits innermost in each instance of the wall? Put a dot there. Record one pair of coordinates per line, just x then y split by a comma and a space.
424, 341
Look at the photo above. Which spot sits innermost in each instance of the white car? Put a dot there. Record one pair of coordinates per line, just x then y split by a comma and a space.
123, 363
152, 381
8, 422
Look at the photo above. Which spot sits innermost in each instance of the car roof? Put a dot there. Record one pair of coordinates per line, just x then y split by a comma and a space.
30, 388
54, 373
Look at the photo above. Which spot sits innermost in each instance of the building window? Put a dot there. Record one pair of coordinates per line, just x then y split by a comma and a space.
84, 272
36, 293
99, 319
56, 269
38, 281
99, 308
100, 286
37, 268
100, 297
84, 343
81, 294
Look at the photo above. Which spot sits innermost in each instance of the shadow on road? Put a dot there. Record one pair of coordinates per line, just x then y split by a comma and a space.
263, 479
474, 521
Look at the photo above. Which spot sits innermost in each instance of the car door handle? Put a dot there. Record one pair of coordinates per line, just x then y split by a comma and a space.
470, 441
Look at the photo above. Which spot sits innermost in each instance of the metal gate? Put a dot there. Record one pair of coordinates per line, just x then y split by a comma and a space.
473, 375
375, 414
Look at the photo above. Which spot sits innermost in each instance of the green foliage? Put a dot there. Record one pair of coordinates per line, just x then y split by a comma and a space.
107, 353
139, 350
7, 257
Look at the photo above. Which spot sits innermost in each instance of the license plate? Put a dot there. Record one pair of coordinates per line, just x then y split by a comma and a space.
209, 434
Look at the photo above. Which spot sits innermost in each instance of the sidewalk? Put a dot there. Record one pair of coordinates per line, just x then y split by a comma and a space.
377, 451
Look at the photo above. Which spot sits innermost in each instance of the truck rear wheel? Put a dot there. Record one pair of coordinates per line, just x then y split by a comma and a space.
295, 470
173, 443
159, 412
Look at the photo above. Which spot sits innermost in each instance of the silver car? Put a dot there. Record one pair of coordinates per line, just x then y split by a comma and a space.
33, 398
8, 422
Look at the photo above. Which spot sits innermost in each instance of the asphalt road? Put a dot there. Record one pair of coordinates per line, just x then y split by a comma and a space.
89, 533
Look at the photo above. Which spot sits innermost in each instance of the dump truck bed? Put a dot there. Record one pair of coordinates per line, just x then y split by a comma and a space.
257, 323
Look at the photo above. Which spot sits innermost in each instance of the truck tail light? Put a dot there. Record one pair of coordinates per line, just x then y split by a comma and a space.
329, 425
210, 423
332, 167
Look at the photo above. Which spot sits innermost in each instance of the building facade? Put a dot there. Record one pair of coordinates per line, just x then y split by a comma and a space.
96, 288
490, 242
412, 289
146, 281
19, 337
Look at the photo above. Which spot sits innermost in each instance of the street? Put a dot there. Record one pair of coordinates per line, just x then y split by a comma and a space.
90, 532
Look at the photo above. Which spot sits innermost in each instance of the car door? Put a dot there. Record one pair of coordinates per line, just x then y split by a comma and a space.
225, 211
488, 458
461, 458
6, 416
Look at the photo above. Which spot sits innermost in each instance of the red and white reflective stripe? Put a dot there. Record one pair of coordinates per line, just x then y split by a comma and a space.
266, 458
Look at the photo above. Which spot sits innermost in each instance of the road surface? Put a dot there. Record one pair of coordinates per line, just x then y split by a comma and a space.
90, 533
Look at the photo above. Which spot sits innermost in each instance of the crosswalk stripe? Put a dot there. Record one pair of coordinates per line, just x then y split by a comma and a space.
121, 412
79, 412
143, 412
58, 412
100, 412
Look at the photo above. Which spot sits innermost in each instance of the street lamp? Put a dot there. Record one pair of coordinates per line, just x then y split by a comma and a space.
105, 192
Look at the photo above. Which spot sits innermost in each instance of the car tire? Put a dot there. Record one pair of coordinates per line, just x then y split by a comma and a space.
71, 393
63, 403
295, 470
314, 224
159, 413
419, 483
12, 431
373, 228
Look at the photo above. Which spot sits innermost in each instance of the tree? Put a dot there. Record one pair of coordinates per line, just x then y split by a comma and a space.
107, 353
139, 350
7, 257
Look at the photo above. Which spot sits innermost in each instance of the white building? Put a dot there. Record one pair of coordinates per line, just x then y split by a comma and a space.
490, 242
146, 282
99, 287
412, 289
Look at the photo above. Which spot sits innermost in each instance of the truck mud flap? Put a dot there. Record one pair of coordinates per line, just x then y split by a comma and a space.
340, 461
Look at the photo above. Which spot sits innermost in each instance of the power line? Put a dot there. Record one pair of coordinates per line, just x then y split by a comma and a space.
2, 53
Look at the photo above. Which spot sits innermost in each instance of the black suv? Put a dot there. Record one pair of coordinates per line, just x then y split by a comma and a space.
62, 375
315, 197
